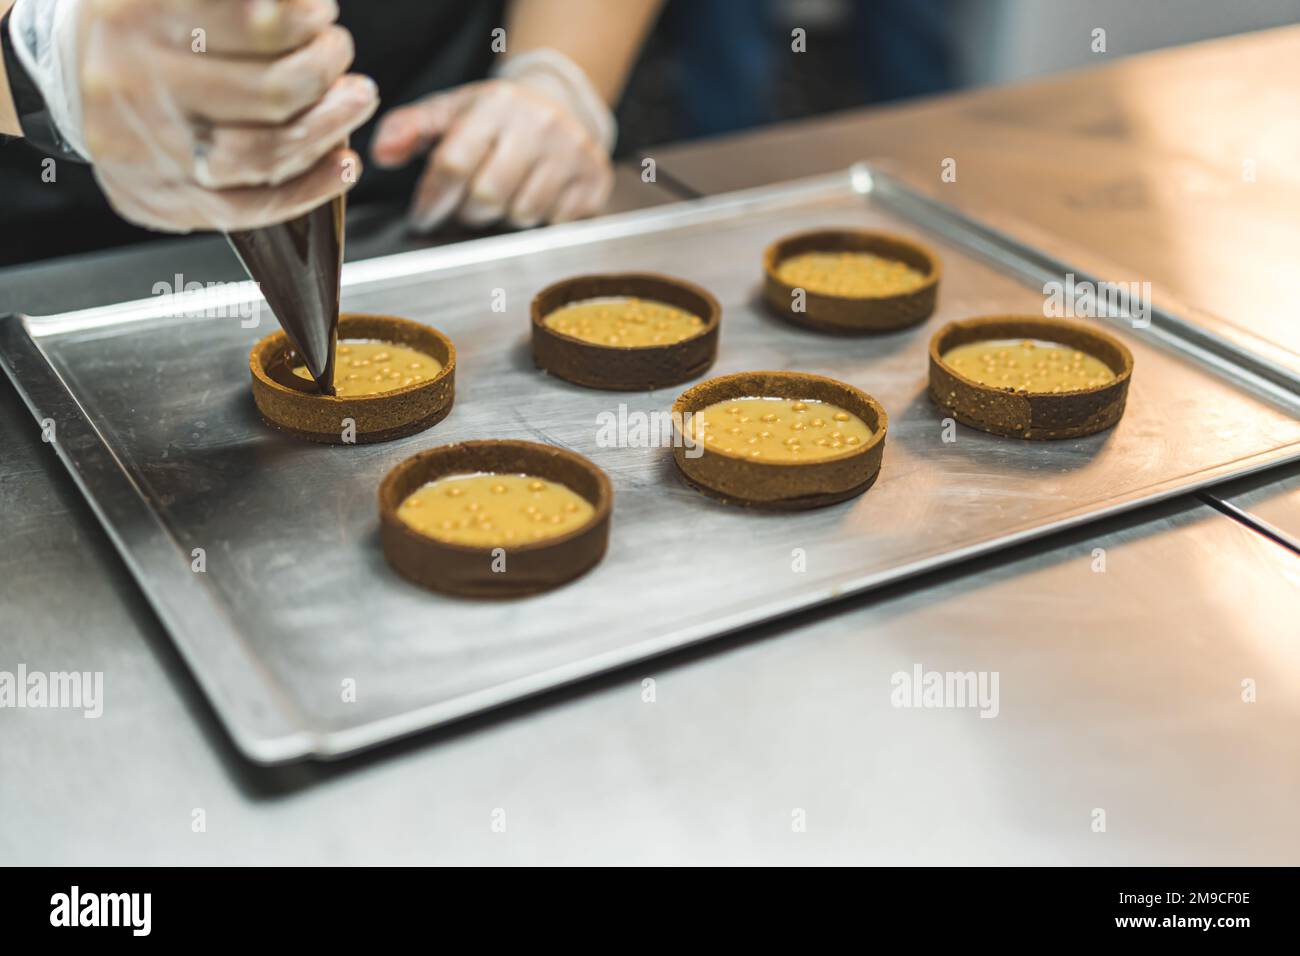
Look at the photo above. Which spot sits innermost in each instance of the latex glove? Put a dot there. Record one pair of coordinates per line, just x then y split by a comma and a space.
529, 146
237, 127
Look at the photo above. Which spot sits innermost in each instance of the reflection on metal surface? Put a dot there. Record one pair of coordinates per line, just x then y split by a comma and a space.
184, 463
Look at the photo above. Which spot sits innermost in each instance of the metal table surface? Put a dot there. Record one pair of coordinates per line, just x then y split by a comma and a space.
1096, 709
1175, 167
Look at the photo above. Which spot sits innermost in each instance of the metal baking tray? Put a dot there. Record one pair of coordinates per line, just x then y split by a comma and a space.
307, 644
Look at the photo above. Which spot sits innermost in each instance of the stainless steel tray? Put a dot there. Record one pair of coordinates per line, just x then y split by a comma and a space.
154, 419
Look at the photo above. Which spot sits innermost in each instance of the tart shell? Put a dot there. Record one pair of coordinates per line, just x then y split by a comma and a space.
785, 486
294, 405
621, 368
469, 571
1032, 415
852, 315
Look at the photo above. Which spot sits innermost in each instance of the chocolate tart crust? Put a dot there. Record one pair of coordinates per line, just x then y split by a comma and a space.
784, 486
852, 315
466, 570
620, 368
294, 405
1032, 415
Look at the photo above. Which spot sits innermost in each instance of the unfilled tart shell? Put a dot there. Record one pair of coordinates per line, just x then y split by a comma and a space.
622, 368
852, 315
787, 486
295, 405
466, 570
1032, 415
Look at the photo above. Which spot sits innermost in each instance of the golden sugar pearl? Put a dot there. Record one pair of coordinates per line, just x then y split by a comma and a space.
454, 492
753, 427
477, 517
624, 323
369, 366
499, 489
841, 416
537, 486
799, 407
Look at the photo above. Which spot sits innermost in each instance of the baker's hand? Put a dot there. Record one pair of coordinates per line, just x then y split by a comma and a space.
529, 146
202, 115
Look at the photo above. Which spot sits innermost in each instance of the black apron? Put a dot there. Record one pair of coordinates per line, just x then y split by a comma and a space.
410, 47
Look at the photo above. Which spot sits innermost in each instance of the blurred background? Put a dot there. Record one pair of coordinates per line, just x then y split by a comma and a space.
713, 67
716, 66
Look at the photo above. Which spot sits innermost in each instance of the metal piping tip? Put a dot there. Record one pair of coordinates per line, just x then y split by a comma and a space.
298, 267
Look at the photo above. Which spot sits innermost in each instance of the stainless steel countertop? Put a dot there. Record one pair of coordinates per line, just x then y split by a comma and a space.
1119, 690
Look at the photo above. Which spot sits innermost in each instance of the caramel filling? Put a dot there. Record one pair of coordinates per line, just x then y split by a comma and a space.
779, 429
490, 510
1027, 365
860, 274
625, 322
371, 368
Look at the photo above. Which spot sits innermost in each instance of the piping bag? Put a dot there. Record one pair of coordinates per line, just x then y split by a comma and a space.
299, 266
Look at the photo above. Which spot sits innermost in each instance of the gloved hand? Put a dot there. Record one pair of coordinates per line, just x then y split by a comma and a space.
529, 146
201, 115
